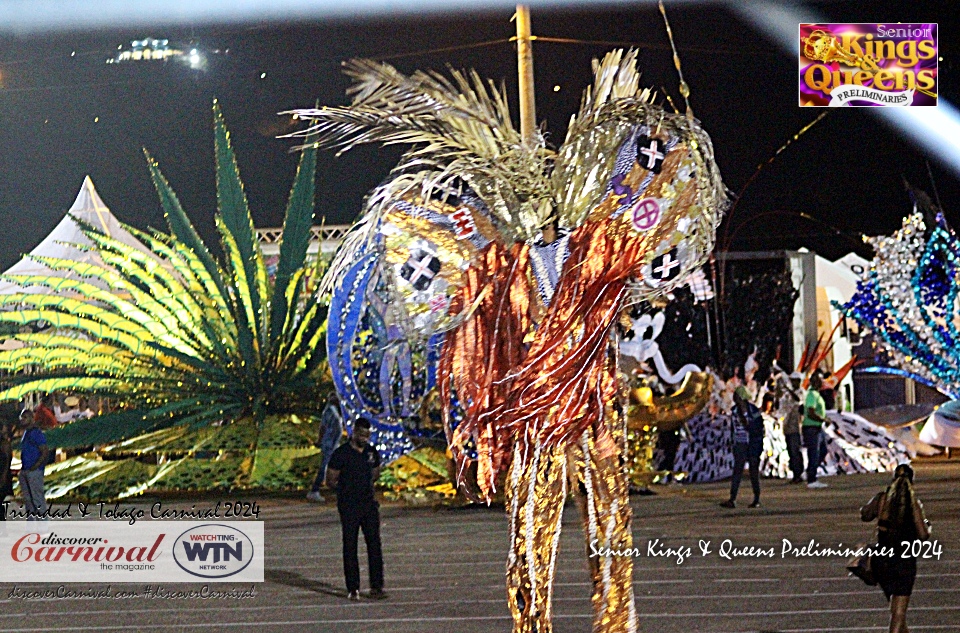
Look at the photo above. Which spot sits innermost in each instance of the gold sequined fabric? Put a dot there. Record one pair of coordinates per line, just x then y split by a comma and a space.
537, 487
535, 494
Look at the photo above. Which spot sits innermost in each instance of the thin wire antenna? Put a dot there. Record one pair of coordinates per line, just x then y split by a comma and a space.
725, 245
684, 88
933, 185
724, 242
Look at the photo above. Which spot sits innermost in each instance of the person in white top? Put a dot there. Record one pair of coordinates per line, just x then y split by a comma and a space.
74, 412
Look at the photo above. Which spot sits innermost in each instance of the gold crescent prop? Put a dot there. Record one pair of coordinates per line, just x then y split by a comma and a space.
668, 413
648, 415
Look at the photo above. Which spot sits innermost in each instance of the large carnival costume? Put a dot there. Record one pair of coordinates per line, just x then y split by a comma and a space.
907, 299
522, 259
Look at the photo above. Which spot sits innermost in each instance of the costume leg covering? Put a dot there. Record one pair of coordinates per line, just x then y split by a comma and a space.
535, 493
605, 509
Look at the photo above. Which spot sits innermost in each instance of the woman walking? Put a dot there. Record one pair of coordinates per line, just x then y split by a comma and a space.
900, 517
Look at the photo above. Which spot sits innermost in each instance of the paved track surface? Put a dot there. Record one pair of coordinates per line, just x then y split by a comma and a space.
445, 570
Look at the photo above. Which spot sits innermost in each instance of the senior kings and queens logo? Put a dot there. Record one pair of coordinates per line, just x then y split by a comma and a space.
868, 64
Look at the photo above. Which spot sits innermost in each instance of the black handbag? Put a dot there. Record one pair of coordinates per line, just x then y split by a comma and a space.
862, 568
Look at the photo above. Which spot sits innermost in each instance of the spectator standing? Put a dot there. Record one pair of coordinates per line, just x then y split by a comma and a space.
669, 443
790, 411
44, 415
6, 476
828, 391
747, 445
815, 411
331, 430
34, 455
352, 470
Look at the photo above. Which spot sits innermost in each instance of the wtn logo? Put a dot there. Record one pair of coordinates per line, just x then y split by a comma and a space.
220, 550
213, 551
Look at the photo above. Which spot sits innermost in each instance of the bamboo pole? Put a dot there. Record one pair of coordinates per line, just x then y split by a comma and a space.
528, 108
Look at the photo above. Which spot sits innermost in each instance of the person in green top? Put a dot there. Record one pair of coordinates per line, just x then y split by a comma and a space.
815, 410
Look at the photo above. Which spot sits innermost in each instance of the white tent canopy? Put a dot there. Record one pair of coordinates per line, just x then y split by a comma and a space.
842, 274
89, 208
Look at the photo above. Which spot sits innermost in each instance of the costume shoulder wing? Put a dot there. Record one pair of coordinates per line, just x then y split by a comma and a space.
424, 245
645, 176
429, 245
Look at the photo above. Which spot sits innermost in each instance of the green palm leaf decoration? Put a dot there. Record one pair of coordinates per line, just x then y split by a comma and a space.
174, 336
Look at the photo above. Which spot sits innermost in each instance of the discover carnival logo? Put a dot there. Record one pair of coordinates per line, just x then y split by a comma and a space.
213, 551
110, 551
33, 547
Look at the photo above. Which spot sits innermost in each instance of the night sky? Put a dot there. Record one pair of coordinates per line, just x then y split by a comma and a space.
845, 172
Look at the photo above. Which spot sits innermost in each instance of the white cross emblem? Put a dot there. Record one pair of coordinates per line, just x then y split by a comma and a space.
652, 154
420, 269
668, 262
649, 154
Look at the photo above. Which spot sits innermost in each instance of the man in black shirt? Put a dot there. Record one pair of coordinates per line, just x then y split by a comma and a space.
353, 468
